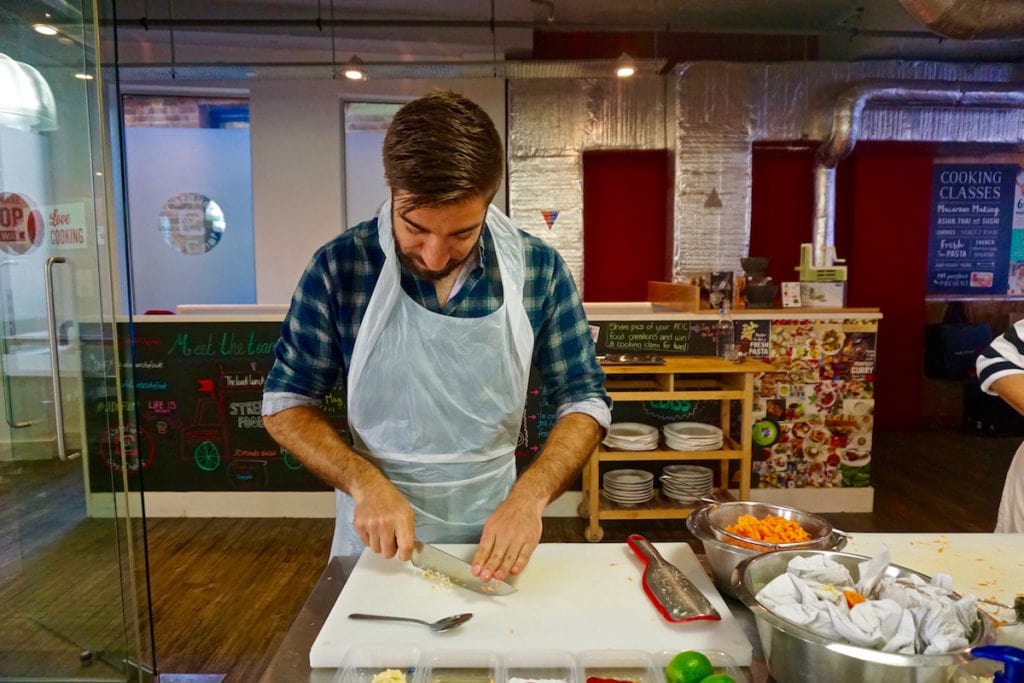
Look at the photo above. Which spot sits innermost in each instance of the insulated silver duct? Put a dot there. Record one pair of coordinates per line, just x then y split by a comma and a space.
969, 19
846, 124
846, 119
824, 212
551, 123
723, 109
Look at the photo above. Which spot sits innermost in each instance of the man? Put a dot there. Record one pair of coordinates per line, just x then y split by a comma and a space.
434, 311
1001, 371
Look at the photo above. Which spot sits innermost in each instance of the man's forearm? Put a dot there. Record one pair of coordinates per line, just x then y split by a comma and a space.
569, 445
307, 434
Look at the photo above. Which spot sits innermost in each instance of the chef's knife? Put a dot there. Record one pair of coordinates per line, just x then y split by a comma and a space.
668, 588
429, 558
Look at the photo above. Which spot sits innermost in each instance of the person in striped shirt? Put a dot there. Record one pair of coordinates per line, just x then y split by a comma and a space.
1001, 371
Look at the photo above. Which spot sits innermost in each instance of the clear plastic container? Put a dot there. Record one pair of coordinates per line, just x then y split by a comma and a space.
628, 666
362, 663
461, 666
541, 666
721, 662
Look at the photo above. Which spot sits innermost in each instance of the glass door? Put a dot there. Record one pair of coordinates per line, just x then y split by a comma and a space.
73, 586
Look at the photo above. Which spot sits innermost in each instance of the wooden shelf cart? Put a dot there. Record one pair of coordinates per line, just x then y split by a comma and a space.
693, 378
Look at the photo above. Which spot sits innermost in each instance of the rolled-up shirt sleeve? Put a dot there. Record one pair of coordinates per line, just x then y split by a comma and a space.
1003, 357
307, 357
573, 380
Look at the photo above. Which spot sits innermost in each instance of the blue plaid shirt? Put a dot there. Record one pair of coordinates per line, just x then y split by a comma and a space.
319, 332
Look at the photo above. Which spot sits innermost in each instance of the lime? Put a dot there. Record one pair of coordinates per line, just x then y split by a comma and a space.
719, 678
688, 667
766, 432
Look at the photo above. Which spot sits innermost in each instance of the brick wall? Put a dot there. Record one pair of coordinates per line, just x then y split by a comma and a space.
170, 112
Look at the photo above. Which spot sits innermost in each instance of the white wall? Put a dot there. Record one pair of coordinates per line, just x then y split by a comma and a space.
296, 136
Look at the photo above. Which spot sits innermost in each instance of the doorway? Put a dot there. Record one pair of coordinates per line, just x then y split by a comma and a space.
626, 199
73, 591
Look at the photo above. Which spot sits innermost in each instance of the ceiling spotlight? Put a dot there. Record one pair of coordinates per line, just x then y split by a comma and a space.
84, 77
625, 66
354, 69
45, 29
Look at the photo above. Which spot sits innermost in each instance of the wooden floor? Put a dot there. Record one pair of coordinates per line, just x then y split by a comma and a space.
226, 590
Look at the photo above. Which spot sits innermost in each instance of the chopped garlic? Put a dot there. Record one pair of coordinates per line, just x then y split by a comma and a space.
440, 581
389, 676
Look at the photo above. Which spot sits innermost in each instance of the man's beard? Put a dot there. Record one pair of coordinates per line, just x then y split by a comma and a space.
415, 266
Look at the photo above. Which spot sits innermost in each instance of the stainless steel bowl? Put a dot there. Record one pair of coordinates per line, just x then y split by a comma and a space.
723, 556
723, 515
795, 654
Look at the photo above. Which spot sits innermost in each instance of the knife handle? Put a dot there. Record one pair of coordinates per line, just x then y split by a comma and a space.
642, 547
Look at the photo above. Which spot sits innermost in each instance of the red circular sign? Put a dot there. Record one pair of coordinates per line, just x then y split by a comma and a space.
21, 224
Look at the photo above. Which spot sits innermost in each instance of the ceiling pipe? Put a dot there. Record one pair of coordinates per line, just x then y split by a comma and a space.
317, 24
969, 19
846, 125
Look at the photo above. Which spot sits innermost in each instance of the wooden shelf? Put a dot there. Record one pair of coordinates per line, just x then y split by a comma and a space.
686, 378
658, 455
659, 507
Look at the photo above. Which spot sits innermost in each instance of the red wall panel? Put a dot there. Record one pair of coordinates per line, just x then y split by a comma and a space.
781, 207
883, 196
625, 218
884, 224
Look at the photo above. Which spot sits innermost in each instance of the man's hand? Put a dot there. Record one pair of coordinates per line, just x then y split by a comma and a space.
510, 536
384, 519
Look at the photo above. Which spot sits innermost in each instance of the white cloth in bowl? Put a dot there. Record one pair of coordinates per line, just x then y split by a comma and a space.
905, 615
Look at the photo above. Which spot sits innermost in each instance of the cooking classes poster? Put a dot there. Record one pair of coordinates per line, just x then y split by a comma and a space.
976, 233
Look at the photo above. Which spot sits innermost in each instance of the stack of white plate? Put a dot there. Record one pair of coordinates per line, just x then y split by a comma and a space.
692, 436
631, 436
687, 483
628, 487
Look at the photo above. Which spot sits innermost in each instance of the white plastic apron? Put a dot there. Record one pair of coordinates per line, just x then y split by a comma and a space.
1011, 507
436, 401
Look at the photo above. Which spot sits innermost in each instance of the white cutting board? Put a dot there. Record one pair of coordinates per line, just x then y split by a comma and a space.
572, 596
989, 566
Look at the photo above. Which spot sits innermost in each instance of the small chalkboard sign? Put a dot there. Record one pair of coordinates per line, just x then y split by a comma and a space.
678, 337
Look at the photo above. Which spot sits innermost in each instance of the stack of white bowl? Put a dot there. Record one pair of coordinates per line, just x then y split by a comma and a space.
631, 436
628, 487
687, 483
692, 436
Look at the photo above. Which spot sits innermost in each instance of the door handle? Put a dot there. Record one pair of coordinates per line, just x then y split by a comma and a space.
51, 323
17, 424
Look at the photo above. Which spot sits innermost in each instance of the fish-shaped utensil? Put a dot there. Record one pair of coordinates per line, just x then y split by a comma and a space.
672, 593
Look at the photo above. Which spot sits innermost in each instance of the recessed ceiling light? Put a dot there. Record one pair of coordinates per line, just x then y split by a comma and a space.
45, 29
84, 77
354, 69
625, 66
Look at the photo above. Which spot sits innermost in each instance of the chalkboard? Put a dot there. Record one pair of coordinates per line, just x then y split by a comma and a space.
970, 232
668, 337
193, 421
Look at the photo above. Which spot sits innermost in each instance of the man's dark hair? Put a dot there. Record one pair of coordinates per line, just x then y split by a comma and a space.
442, 149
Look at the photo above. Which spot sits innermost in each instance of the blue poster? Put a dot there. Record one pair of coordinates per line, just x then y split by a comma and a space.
969, 235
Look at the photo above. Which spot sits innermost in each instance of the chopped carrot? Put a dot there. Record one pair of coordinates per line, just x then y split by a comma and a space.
770, 529
853, 598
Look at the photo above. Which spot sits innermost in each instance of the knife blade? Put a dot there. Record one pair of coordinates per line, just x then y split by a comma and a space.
429, 558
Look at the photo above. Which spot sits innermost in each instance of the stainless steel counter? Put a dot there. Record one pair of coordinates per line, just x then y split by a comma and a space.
291, 661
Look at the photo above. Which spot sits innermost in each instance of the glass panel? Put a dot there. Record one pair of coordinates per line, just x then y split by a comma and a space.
71, 591
365, 125
189, 180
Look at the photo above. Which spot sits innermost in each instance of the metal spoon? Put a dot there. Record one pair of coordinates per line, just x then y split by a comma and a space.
439, 625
